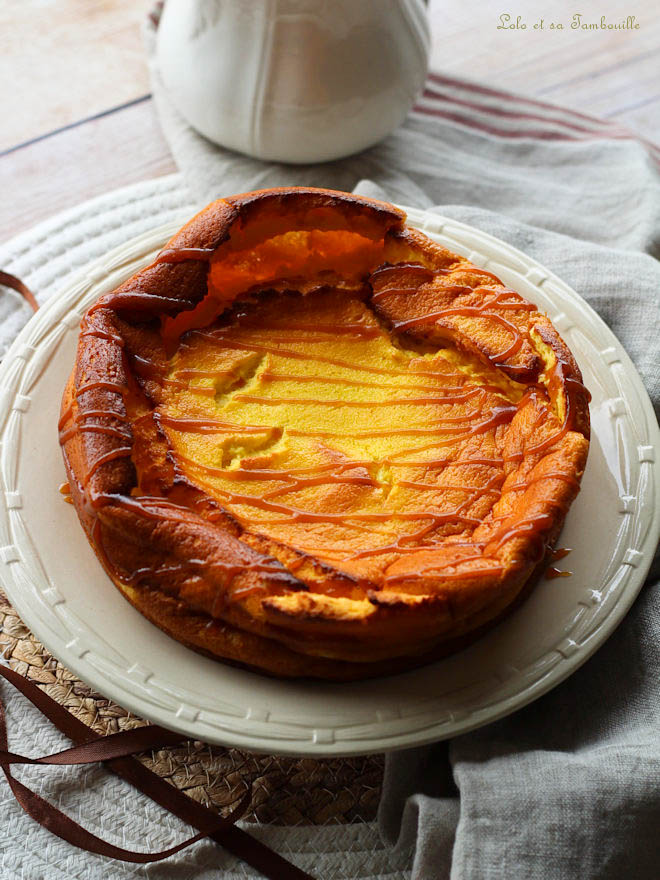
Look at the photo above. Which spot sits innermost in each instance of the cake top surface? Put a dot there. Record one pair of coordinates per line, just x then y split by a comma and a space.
315, 425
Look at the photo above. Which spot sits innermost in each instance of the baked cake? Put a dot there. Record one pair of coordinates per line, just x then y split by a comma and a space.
309, 440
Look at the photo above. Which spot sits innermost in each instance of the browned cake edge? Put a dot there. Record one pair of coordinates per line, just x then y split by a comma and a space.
123, 529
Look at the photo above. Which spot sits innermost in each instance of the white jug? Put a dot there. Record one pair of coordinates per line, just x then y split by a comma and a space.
294, 80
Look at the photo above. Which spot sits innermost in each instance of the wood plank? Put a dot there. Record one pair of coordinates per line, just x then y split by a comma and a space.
71, 59
66, 60
60, 171
602, 72
636, 84
644, 117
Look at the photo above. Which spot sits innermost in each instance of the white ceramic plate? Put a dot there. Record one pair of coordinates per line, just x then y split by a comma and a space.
58, 587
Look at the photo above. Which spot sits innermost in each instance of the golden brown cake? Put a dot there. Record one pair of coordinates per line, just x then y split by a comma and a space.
309, 440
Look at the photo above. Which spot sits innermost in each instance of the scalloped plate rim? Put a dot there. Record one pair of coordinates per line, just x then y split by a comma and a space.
364, 741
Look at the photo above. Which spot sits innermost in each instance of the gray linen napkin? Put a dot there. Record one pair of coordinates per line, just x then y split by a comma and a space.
570, 786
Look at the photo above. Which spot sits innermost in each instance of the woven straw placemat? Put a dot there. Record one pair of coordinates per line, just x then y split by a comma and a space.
286, 791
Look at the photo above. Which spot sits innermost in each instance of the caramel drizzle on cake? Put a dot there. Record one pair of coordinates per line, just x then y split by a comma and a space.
361, 441
461, 426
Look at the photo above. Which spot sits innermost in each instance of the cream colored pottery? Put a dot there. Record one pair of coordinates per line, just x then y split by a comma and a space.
294, 80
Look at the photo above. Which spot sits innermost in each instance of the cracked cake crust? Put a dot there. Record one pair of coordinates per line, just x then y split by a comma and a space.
309, 440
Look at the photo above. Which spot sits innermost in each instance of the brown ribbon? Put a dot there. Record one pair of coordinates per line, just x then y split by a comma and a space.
16, 284
115, 751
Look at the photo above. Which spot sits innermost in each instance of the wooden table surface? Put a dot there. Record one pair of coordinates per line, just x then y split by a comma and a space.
78, 120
